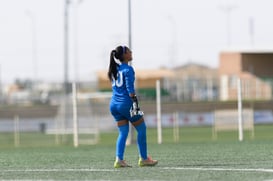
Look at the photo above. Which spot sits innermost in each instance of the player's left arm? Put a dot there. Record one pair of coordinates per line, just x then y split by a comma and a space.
130, 79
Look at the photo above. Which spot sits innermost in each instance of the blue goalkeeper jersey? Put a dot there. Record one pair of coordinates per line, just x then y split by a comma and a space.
124, 85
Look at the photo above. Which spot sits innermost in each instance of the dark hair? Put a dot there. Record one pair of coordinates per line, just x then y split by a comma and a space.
118, 54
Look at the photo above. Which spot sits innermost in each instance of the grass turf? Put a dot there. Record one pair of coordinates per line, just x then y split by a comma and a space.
195, 157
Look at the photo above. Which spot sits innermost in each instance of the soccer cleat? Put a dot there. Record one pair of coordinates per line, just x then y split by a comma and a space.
120, 164
148, 162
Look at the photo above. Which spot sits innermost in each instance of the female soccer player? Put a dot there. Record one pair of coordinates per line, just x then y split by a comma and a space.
124, 106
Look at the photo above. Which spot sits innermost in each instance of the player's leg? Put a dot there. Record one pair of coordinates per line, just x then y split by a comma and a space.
140, 126
141, 137
123, 128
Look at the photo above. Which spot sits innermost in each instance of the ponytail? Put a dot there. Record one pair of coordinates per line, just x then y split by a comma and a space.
116, 57
112, 71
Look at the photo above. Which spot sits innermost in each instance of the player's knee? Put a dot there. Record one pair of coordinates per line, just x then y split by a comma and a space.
141, 128
139, 122
124, 130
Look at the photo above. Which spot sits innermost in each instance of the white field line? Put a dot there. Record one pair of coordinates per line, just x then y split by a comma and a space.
61, 170
220, 169
164, 168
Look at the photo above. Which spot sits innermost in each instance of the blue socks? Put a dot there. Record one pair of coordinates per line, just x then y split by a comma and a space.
141, 140
121, 140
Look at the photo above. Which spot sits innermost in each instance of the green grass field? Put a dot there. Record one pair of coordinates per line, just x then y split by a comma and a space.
194, 157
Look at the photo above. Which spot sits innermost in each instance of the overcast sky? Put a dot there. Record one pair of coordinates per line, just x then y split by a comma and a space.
164, 33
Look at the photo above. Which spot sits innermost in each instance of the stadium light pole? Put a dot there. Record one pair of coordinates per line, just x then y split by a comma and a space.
251, 30
66, 45
66, 42
173, 45
76, 77
76, 5
67, 3
228, 9
31, 16
129, 24
130, 139
66, 59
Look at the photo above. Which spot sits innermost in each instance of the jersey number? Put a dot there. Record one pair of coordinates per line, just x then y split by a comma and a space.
119, 81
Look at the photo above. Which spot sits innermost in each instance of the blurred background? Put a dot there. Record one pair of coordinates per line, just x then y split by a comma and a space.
196, 49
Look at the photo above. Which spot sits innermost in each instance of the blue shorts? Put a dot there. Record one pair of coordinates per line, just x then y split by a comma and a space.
121, 111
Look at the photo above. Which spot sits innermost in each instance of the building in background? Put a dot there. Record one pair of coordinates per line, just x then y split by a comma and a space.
254, 68
190, 82
194, 82
185, 83
145, 81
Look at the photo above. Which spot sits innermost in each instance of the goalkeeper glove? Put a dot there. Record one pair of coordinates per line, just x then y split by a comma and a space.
135, 110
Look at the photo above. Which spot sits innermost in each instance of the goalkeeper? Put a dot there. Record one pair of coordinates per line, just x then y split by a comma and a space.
124, 106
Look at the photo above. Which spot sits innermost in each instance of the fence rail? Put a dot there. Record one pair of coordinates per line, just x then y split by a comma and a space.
189, 101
